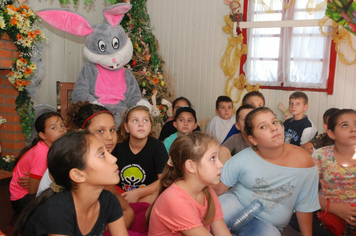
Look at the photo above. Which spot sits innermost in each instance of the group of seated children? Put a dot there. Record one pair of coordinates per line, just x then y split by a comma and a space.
103, 182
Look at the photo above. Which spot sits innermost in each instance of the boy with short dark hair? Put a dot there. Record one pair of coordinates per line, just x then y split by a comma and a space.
185, 121
253, 98
220, 124
299, 129
238, 142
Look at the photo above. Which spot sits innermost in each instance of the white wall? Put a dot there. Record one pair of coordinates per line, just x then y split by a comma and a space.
191, 43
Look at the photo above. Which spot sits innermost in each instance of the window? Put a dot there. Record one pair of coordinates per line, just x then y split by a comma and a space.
288, 57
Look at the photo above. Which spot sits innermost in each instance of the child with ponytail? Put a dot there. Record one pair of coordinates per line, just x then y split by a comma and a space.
33, 159
186, 205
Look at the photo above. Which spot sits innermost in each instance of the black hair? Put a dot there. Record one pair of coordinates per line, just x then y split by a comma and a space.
251, 116
79, 113
66, 153
243, 107
222, 99
328, 113
40, 126
179, 99
186, 109
252, 94
335, 116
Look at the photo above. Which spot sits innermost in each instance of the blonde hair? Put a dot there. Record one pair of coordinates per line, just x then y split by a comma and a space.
122, 135
187, 147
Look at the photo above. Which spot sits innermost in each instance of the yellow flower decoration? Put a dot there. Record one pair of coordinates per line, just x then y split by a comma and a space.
250, 87
230, 61
229, 25
240, 82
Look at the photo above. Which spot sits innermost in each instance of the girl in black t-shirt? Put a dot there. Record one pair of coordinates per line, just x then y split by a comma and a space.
76, 203
140, 157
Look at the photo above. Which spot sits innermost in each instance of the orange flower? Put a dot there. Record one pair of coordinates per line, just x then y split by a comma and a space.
18, 9
25, 7
155, 80
13, 21
24, 13
38, 31
161, 106
11, 7
153, 91
28, 71
23, 60
149, 77
11, 73
19, 83
31, 34
19, 36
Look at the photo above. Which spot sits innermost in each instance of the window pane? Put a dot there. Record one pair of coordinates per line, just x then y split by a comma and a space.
261, 16
263, 72
305, 72
267, 31
265, 47
304, 15
308, 47
307, 30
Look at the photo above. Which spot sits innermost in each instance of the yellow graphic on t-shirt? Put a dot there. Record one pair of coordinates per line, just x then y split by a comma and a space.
133, 177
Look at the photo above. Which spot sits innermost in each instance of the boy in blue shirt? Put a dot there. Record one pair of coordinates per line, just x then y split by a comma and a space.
299, 129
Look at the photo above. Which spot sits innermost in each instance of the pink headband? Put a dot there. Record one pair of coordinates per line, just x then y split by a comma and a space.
95, 114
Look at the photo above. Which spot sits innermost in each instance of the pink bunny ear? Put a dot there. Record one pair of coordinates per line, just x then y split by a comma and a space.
67, 21
115, 13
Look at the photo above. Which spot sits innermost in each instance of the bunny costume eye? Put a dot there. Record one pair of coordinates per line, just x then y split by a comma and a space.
102, 46
115, 43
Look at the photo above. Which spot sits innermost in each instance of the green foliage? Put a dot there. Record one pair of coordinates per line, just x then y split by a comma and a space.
24, 107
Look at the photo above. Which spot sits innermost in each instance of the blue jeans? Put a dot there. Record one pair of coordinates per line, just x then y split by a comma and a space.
231, 205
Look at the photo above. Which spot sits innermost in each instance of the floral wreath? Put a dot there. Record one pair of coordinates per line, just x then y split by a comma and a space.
19, 24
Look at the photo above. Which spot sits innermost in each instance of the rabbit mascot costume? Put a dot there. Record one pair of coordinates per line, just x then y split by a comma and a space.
103, 80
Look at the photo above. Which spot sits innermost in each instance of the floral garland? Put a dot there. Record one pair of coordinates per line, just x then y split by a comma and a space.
19, 24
